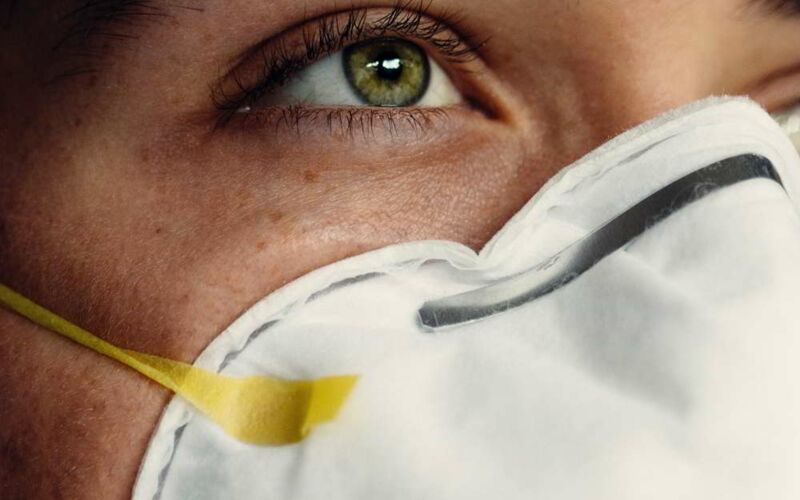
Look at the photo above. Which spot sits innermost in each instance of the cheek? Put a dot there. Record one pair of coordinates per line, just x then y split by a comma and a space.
306, 213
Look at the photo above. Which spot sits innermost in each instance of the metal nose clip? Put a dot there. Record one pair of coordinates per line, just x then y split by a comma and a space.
580, 256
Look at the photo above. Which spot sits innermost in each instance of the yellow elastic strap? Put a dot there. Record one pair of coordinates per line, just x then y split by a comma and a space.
257, 409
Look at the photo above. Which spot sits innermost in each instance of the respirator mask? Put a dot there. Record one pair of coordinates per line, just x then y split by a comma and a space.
790, 123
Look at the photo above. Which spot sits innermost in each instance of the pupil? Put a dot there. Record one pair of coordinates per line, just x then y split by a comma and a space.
389, 66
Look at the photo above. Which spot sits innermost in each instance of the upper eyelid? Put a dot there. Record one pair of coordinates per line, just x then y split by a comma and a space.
411, 11
327, 34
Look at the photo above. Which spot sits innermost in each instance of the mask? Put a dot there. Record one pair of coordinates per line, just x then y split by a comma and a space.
790, 123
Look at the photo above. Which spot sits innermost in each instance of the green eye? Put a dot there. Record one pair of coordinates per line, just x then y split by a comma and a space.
387, 72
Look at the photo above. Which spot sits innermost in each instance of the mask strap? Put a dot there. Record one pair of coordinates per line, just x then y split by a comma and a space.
256, 409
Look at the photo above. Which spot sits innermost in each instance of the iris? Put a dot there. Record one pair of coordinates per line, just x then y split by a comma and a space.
387, 72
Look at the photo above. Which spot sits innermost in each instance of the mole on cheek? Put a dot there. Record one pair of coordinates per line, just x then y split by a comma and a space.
310, 176
145, 155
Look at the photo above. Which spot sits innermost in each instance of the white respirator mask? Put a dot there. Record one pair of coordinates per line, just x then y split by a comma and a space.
633, 332
790, 123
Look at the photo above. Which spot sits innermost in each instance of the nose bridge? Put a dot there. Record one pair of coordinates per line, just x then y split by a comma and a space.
624, 66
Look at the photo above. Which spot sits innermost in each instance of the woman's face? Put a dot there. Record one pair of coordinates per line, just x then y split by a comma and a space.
165, 164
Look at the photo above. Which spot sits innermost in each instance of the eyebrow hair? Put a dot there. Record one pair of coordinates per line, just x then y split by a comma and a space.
94, 26
105, 18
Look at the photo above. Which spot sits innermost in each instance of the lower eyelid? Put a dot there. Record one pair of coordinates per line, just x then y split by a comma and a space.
348, 122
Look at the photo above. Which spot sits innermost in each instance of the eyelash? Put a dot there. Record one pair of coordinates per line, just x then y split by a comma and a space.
329, 35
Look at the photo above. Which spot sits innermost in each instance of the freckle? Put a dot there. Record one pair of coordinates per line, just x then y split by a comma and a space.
276, 216
260, 245
77, 122
158, 230
310, 176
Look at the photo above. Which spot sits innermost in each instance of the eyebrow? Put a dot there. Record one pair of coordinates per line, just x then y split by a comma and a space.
105, 18
95, 26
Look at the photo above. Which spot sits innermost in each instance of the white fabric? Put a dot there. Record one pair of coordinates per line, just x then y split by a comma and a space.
668, 370
790, 123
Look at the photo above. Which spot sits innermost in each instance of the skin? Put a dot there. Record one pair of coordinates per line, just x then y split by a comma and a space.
124, 211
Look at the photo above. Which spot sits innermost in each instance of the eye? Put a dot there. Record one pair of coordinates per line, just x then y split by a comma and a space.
382, 72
